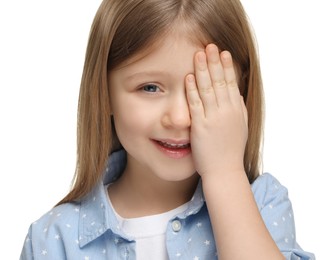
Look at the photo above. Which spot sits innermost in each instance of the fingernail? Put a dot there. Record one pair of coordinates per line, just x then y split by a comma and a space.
190, 78
226, 55
201, 57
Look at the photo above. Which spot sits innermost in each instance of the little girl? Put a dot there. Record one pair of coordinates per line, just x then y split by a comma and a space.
169, 133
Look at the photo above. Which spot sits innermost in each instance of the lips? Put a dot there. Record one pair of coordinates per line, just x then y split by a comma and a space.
173, 149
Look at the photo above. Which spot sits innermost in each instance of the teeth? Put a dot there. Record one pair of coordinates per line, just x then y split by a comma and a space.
177, 146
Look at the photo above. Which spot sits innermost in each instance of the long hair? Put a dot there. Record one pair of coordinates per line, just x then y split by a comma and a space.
122, 29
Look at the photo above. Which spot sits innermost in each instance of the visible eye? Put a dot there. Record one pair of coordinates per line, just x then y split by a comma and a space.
150, 88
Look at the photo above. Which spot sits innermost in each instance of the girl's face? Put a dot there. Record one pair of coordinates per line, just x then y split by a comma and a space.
150, 109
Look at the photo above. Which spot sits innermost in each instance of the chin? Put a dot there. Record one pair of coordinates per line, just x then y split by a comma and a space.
174, 177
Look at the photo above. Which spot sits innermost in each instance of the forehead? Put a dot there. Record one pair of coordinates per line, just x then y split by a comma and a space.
170, 58
179, 35
174, 47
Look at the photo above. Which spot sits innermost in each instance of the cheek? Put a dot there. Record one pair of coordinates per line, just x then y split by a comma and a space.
124, 123
132, 119
131, 110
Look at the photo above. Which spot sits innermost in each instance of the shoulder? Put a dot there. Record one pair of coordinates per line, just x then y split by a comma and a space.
46, 236
65, 230
64, 215
266, 188
60, 221
274, 205
265, 180
276, 210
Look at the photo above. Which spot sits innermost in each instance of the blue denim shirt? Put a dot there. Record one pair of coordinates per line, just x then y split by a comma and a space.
89, 229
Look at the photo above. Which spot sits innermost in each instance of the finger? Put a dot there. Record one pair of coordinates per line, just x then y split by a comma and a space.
230, 77
217, 74
203, 82
195, 104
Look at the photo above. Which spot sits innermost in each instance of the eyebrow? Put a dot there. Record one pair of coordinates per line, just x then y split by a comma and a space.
151, 73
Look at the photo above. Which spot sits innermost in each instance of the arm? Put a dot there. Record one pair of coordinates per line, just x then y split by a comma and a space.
27, 251
218, 138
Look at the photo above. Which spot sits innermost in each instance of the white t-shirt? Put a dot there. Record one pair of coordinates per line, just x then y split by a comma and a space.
149, 232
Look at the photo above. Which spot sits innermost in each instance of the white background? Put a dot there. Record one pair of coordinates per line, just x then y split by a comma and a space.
42, 50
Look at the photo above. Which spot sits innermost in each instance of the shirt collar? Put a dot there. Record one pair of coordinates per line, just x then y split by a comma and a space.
96, 214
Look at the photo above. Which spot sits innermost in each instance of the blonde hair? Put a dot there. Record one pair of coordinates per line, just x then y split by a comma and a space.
122, 29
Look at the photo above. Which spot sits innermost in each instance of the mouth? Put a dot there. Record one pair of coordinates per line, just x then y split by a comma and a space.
174, 145
173, 149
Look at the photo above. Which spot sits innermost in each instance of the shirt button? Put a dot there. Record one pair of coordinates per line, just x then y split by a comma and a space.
176, 225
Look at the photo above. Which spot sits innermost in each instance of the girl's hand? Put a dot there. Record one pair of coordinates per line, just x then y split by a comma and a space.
219, 117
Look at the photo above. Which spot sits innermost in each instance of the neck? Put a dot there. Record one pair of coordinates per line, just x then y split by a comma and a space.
141, 194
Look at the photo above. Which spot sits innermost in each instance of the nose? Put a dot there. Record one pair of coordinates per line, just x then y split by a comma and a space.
176, 114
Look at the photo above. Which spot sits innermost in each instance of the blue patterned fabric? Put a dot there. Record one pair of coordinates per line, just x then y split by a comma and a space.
89, 229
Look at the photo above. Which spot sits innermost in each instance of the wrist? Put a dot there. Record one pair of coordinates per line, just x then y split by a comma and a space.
223, 179
223, 173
